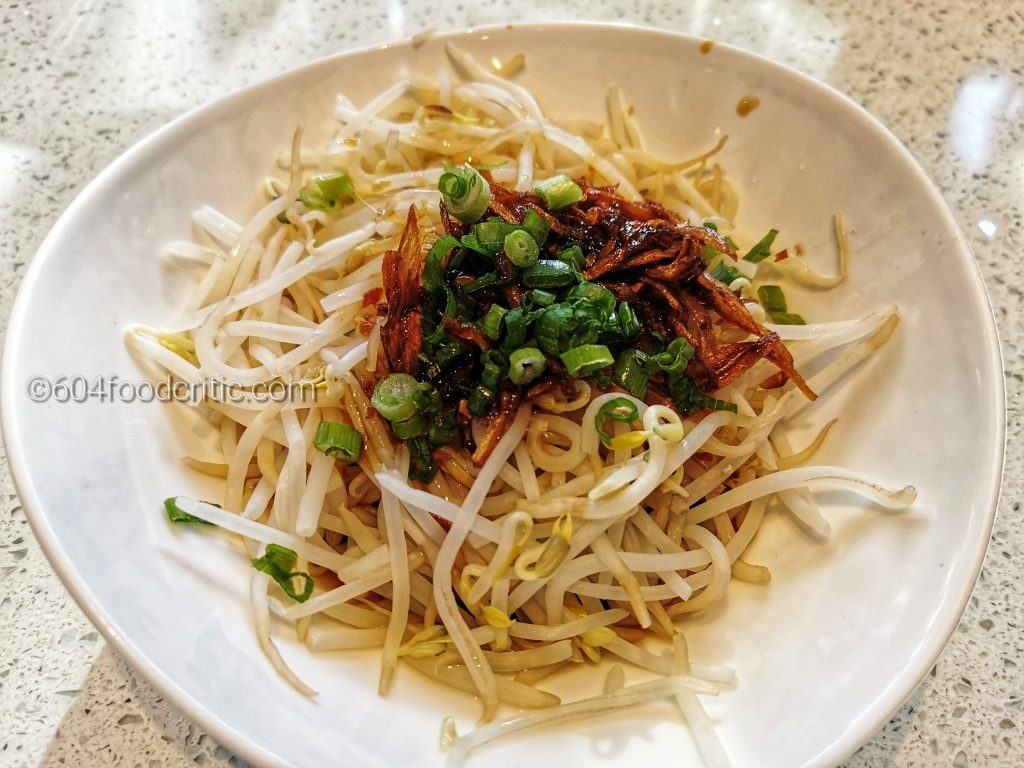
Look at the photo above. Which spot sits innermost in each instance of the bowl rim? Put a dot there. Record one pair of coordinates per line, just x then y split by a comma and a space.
882, 708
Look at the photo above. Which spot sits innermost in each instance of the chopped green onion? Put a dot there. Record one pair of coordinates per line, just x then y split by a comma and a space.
725, 273
574, 257
688, 399
277, 562
630, 373
491, 324
433, 272
558, 192
421, 460
709, 253
586, 359
521, 248
480, 400
470, 243
594, 294
620, 409
710, 225
629, 324
443, 429
772, 298
563, 326
540, 297
774, 302
787, 318
525, 365
762, 249
548, 273
676, 357
338, 439
465, 192
177, 515
490, 235
537, 226
517, 326
399, 396
327, 191
484, 281
414, 426
446, 353
495, 368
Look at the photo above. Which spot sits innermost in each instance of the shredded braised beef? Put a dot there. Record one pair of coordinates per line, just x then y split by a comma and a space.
401, 334
642, 252
645, 254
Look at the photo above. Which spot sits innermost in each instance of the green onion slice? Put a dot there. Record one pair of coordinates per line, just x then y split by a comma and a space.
521, 249
414, 426
491, 234
537, 226
480, 400
726, 273
573, 256
278, 562
495, 368
620, 409
676, 357
762, 249
525, 365
339, 440
443, 429
465, 192
774, 302
595, 294
688, 399
177, 515
327, 192
540, 298
399, 396
549, 273
491, 323
421, 460
630, 372
586, 359
558, 192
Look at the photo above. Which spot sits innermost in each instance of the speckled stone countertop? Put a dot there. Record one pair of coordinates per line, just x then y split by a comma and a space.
82, 81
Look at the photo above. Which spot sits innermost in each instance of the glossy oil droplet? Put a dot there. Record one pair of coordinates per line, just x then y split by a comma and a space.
747, 105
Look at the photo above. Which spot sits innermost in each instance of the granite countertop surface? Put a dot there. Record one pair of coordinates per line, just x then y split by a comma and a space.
80, 81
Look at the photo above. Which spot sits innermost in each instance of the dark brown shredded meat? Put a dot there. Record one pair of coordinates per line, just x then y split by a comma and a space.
646, 255
402, 270
457, 329
642, 252
498, 422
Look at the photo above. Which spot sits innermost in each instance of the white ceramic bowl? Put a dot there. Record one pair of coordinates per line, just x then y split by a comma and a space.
824, 653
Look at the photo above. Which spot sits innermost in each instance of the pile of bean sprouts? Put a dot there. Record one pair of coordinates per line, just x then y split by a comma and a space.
557, 551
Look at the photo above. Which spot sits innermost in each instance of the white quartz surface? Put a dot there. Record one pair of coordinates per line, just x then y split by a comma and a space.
80, 81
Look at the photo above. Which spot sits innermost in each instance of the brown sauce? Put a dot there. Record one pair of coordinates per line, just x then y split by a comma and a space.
747, 105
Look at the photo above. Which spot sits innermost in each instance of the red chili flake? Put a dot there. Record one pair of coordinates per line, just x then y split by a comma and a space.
783, 254
365, 327
372, 296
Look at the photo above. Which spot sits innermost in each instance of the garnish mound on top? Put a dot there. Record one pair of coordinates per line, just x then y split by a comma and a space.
529, 291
